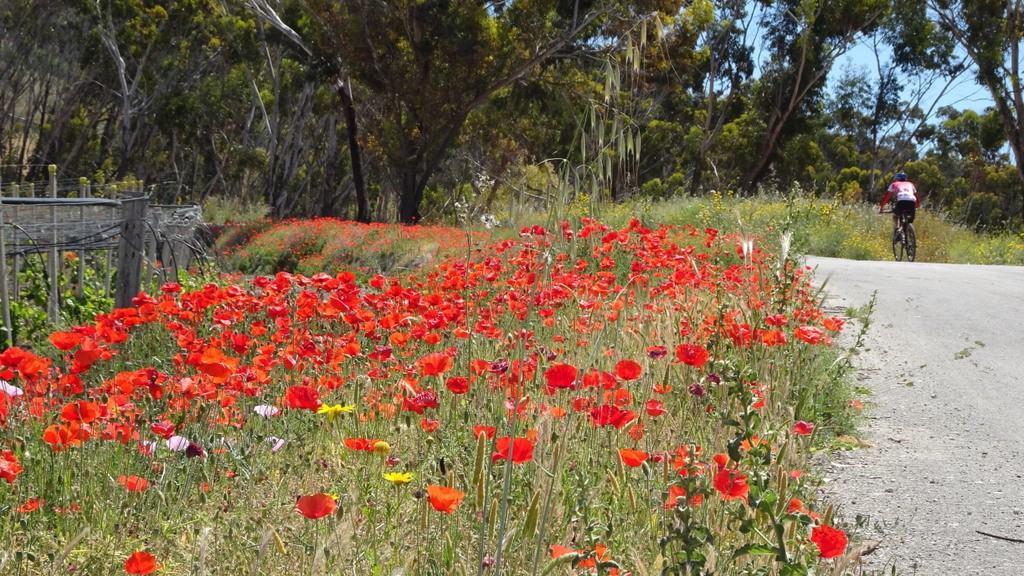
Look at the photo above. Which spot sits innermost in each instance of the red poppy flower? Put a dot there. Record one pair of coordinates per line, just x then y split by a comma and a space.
302, 398
558, 551
809, 334
214, 363
692, 355
520, 450
731, 484
675, 492
628, 370
741, 334
587, 558
80, 411
141, 563
30, 505
599, 379
134, 483
488, 431
721, 461
358, 444
445, 499
65, 341
457, 384
316, 505
164, 429
776, 320
655, 408
632, 458
433, 364
89, 353
61, 437
833, 324
803, 428
830, 542
420, 401
796, 507
611, 415
561, 376
656, 352
429, 425
772, 337
9, 466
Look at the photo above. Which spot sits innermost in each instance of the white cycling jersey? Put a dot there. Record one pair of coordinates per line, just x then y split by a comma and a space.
903, 191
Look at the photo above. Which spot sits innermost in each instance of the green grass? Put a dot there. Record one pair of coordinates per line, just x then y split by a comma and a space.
367, 305
817, 226
506, 314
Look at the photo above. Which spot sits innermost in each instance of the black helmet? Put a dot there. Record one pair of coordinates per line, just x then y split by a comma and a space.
900, 177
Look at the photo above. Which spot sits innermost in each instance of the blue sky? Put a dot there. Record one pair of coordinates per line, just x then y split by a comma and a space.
963, 94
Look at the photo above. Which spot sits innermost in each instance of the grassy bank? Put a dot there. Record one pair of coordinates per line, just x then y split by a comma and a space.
812, 226
574, 399
827, 228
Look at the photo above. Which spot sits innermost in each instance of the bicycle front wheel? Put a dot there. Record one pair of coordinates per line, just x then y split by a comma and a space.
911, 242
897, 247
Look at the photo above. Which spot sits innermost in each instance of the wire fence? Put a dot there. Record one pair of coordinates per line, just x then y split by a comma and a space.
110, 228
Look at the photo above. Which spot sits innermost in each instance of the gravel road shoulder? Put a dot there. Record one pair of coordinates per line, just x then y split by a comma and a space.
942, 361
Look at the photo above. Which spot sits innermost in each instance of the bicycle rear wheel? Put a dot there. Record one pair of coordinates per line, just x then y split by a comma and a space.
911, 242
897, 247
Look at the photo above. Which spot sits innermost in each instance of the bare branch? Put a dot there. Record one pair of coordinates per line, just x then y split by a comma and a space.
268, 14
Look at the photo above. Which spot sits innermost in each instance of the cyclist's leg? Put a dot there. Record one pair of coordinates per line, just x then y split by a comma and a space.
903, 212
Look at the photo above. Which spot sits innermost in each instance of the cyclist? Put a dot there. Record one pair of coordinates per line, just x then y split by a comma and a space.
905, 195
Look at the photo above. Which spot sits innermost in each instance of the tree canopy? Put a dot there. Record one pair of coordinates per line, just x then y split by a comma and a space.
429, 109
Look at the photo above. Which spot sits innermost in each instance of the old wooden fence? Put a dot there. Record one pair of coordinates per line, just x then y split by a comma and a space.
111, 227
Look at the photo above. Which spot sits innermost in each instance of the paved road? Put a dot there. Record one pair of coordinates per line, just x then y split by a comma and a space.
944, 359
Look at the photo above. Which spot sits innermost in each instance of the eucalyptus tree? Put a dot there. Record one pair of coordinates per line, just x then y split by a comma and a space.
721, 73
802, 40
131, 96
885, 103
991, 33
43, 91
427, 64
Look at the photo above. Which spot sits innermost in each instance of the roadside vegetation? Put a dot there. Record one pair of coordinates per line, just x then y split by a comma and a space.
251, 243
576, 398
595, 389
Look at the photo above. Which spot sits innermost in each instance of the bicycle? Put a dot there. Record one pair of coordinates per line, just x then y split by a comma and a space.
904, 239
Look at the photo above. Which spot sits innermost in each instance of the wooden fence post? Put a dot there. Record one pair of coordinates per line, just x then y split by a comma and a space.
5, 296
16, 193
129, 251
83, 192
53, 306
112, 194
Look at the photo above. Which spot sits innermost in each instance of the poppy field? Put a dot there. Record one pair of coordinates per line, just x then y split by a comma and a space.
574, 400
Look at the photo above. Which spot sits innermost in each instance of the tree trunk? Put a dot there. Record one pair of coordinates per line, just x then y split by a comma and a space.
760, 167
411, 197
697, 175
362, 203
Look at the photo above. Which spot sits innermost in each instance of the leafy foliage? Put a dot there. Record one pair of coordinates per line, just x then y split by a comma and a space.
446, 110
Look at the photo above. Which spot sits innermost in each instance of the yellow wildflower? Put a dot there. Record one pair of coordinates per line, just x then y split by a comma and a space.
333, 410
398, 478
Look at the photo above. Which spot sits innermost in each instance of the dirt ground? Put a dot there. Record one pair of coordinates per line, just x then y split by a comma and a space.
940, 486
